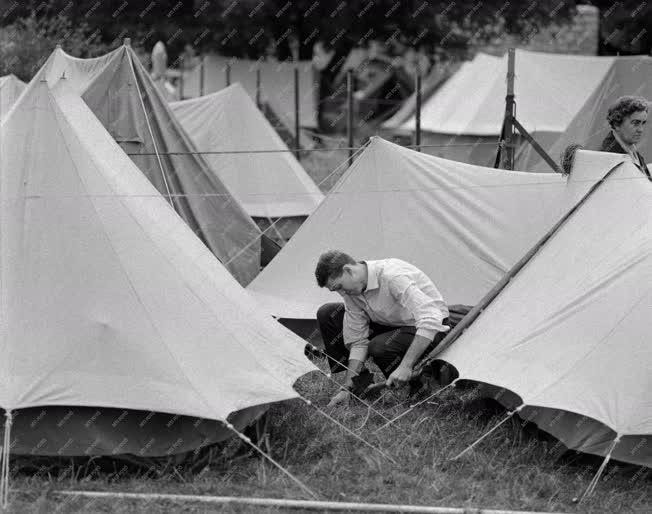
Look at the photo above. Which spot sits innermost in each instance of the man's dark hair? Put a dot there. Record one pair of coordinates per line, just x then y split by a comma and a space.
331, 265
625, 106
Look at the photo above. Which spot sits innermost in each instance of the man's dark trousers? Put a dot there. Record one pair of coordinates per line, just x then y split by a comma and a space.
387, 345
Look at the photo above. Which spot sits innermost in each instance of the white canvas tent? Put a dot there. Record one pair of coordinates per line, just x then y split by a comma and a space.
10, 89
268, 184
110, 301
436, 78
121, 94
465, 115
569, 335
463, 225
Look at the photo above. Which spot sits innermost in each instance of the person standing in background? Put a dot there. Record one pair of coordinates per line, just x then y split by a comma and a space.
627, 118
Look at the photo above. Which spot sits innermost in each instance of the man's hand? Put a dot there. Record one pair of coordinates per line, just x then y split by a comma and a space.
400, 376
341, 398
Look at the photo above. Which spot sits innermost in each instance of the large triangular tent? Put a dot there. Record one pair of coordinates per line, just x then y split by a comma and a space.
123, 97
121, 330
270, 182
566, 343
10, 89
464, 225
435, 79
463, 119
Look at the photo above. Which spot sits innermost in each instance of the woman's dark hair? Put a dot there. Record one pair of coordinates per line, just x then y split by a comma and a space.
625, 106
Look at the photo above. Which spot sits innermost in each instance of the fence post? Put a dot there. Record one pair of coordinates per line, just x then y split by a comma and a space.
297, 121
228, 73
201, 76
182, 67
510, 143
417, 133
258, 86
349, 113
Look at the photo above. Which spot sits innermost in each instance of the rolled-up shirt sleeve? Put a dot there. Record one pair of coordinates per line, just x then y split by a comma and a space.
356, 331
427, 312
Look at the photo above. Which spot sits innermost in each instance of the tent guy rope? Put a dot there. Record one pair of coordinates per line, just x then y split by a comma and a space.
248, 441
264, 232
349, 431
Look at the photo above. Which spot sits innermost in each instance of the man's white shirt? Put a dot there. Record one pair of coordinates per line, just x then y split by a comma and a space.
397, 294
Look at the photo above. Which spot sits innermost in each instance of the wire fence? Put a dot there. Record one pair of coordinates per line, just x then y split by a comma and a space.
308, 150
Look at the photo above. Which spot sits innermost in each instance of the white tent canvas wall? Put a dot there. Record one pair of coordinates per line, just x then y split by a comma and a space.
436, 78
464, 117
270, 182
109, 301
123, 97
10, 89
569, 335
464, 225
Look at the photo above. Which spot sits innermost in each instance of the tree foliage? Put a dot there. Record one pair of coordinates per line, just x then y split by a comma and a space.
27, 42
251, 28
625, 26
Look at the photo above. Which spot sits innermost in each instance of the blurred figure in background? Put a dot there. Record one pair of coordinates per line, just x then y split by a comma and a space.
568, 157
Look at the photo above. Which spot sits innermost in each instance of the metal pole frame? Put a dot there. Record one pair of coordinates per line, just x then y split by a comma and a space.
182, 62
507, 145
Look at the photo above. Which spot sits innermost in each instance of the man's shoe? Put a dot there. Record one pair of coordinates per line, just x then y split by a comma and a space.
363, 380
415, 386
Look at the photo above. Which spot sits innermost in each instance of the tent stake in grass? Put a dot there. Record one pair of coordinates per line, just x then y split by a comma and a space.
412, 407
486, 434
594, 482
4, 461
329, 377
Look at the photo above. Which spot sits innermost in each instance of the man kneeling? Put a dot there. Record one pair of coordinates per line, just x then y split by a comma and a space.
392, 312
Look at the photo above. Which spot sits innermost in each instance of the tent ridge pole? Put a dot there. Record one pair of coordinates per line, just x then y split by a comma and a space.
286, 503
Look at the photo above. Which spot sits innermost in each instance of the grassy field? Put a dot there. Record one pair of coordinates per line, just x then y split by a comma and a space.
511, 469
